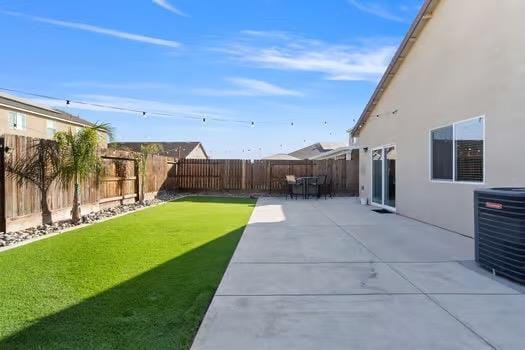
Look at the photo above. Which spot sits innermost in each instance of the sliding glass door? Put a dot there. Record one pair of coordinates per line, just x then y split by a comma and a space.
384, 176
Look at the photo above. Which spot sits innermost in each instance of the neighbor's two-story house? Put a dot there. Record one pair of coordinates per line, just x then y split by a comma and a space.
448, 115
23, 117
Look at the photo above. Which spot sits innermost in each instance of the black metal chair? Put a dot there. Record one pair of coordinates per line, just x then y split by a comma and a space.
321, 185
326, 187
312, 187
295, 188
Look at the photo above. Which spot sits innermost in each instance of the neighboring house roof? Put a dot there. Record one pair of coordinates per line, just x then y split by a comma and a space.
281, 156
333, 153
179, 150
23, 105
422, 18
316, 149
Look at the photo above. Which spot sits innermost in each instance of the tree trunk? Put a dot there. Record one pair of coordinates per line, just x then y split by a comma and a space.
142, 190
47, 218
75, 212
44, 206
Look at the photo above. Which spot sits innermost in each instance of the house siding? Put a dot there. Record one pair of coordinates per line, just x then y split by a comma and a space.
197, 153
37, 125
468, 61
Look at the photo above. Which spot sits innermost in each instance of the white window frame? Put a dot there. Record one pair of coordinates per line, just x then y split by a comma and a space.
50, 125
454, 165
21, 121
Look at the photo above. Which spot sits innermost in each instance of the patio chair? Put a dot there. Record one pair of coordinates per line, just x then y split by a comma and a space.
326, 187
321, 186
295, 188
312, 187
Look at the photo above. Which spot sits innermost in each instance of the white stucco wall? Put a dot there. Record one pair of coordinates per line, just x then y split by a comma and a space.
468, 61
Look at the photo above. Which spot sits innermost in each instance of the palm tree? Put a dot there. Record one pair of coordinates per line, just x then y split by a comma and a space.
40, 166
79, 159
142, 158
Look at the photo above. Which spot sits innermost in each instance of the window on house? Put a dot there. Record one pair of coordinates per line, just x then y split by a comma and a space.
442, 153
17, 121
51, 128
468, 137
457, 151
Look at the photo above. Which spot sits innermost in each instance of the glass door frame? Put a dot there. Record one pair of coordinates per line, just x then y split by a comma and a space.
383, 168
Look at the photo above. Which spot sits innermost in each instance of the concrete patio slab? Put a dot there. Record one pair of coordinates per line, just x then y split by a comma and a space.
329, 279
413, 243
361, 322
333, 275
450, 277
499, 318
283, 243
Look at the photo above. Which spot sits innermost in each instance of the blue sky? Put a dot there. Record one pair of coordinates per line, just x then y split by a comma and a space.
274, 62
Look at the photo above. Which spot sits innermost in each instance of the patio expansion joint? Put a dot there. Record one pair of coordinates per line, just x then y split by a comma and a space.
344, 262
360, 294
427, 295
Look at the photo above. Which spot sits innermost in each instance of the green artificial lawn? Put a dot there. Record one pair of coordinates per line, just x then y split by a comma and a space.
140, 281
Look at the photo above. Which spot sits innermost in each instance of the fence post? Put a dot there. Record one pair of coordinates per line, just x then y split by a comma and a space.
243, 175
138, 181
2, 186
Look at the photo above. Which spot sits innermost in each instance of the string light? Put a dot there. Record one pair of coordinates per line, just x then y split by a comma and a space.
145, 113
393, 113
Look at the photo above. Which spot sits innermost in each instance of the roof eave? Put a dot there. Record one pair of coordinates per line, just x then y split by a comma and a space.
424, 15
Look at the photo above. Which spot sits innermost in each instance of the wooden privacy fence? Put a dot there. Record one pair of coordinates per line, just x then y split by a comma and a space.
119, 183
20, 203
260, 176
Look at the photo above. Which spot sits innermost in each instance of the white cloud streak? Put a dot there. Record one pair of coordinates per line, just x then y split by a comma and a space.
117, 86
99, 30
337, 62
167, 6
376, 9
249, 87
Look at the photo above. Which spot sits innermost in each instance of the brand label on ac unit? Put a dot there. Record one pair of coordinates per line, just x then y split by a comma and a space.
493, 205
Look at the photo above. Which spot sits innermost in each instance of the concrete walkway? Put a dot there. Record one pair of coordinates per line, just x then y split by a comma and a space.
331, 274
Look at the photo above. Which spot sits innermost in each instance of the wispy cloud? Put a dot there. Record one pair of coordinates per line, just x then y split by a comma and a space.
289, 52
249, 87
167, 6
117, 86
384, 10
98, 30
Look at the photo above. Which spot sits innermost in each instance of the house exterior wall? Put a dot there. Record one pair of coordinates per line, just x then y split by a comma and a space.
197, 153
468, 61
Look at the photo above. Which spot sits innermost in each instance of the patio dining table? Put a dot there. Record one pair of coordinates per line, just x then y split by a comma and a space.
304, 181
